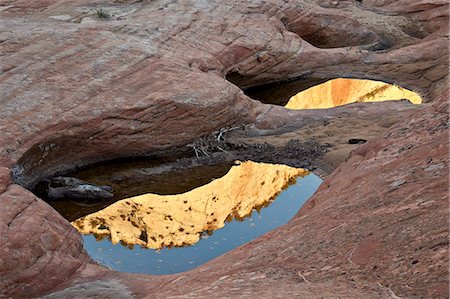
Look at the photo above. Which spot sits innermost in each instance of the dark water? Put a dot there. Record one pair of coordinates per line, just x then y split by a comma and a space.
235, 233
136, 177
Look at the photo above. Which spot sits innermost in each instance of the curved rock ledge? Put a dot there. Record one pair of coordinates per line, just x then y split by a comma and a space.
78, 88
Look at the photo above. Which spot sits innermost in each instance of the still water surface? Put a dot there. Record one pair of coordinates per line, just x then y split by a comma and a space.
233, 234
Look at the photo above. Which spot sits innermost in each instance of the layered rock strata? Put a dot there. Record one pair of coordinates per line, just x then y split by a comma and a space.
79, 86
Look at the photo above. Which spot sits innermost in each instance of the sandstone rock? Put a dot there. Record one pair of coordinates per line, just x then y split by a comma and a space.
39, 248
5, 179
75, 93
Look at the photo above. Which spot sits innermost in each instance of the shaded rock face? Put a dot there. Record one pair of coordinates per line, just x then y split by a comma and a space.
78, 88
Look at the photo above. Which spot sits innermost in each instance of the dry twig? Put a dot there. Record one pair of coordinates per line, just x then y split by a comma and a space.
303, 277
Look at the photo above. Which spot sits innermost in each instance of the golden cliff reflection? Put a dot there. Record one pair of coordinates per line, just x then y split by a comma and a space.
342, 91
155, 221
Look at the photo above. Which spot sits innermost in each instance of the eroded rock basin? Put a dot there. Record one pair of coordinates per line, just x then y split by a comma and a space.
177, 232
74, 93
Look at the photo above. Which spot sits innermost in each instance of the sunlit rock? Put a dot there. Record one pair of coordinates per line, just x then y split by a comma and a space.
155, 221
342, 91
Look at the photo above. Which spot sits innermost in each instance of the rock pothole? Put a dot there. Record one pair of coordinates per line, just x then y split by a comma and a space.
319, 93
199, 213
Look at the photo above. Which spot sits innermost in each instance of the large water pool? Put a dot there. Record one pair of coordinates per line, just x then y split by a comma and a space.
235, 233
163, 222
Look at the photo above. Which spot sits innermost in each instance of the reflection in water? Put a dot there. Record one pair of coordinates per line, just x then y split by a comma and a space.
235, 233
157, 221
136, 177
342, 91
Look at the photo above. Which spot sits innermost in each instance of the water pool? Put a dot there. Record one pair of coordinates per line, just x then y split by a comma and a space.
235, 233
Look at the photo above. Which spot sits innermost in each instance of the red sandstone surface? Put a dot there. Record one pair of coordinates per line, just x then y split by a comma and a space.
76, 89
